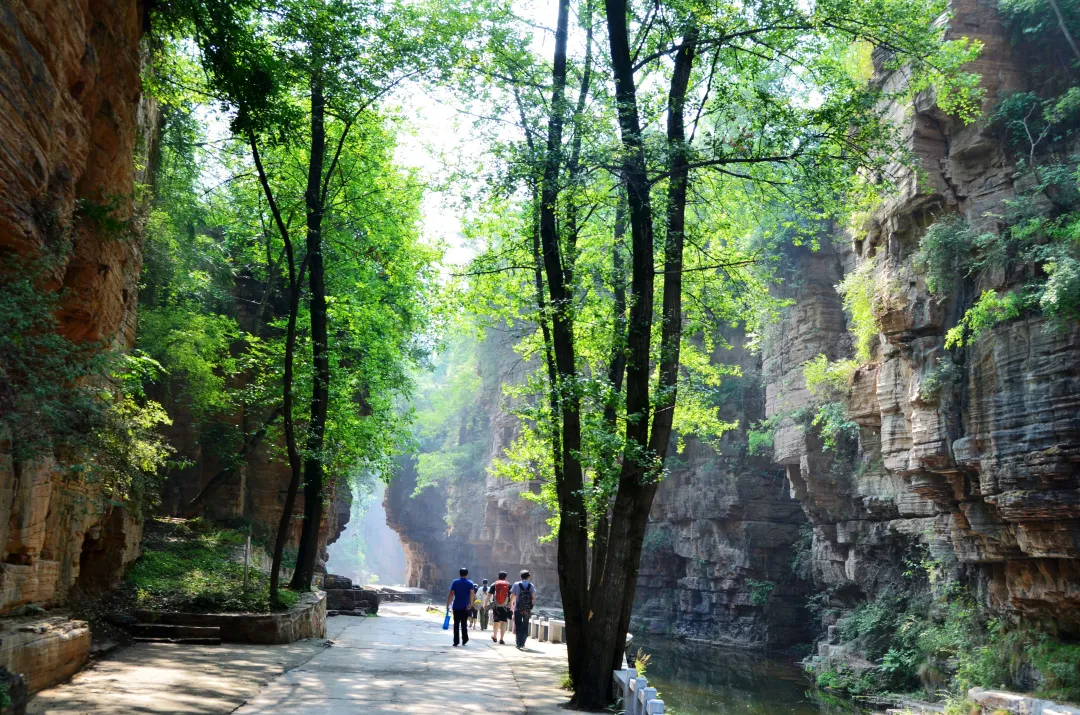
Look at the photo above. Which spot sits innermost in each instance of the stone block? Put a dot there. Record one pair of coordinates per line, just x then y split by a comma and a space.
44, 652
557, 631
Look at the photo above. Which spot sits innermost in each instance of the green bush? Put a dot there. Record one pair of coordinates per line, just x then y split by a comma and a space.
944, 375
760, 436
949, 642
859, 290
760, 591
988, 311
80, 401
657, 540
829, 380
834, 425
191, 566
944, 253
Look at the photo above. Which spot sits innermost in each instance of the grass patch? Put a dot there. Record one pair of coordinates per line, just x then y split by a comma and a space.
198, 566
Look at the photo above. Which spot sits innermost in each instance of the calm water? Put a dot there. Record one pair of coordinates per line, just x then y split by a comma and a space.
697, 679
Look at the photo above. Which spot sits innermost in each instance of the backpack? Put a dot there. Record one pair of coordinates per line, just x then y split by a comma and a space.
502, 592
525, 599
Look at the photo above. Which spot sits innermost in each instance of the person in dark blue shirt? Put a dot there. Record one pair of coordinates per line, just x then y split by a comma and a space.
460, 599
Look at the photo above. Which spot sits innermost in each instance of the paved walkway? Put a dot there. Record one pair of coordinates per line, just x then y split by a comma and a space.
400, 662
403, 662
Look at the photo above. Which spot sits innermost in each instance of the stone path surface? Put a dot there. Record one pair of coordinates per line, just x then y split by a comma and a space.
403, 662
399, 662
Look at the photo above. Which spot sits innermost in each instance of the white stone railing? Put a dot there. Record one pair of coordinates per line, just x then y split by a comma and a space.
637, 697
547, 629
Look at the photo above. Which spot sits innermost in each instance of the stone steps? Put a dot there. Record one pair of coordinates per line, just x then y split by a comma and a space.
165, 633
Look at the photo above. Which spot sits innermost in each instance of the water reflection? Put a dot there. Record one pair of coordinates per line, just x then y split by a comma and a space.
698, 679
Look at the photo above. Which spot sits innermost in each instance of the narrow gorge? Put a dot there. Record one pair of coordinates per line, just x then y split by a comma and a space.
900, 458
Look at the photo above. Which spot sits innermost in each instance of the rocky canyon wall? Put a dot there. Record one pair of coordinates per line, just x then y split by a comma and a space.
717, 561
72, 122
981, 474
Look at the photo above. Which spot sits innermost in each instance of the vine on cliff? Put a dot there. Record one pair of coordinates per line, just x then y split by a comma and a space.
82, 403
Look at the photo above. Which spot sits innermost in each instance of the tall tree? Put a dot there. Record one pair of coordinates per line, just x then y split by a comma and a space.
303, 78
767, 105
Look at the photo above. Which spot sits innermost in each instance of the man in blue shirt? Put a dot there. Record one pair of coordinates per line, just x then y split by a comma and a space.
460, 599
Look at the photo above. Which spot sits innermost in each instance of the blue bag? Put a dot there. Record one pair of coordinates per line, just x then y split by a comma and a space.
446, 621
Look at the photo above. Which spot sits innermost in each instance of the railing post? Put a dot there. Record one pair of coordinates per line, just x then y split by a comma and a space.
644, 695
636, 686
622, 680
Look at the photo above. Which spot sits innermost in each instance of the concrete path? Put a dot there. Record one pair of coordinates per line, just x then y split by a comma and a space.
403, 662
399, 662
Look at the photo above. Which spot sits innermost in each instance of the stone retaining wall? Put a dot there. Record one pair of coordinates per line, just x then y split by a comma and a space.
307, 619
44, 652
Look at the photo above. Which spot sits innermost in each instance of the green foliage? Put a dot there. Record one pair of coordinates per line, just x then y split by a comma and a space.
829, 384
761, 434
860, 290
82, 403
1040, 228
944, 253
942, 377
825, 379
1035, 126
760, 591
846, 680
658, 540
802, 556
760, 441
991, 308
834, 424
948, 641
197, 566
215, 292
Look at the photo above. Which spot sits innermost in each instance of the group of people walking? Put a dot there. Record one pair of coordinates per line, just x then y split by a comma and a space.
506, 604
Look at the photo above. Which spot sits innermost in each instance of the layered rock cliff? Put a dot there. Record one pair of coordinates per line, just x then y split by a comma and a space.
72, 123
983, 471
475, 519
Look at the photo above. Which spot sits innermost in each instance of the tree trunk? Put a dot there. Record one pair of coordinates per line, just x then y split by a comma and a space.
296, 279
616, 369
320, 390
671, 333
642, 464
1064, 28
573, 526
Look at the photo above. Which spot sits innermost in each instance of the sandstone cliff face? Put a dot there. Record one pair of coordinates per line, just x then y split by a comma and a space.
71, 116
255, 491
985, 473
